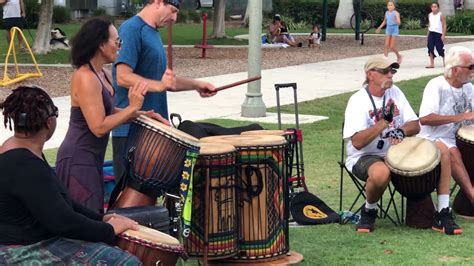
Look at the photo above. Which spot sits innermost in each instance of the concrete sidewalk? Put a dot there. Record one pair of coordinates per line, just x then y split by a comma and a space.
313, 80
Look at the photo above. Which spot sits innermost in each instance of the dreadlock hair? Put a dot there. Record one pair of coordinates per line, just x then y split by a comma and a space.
87, 41
28, 108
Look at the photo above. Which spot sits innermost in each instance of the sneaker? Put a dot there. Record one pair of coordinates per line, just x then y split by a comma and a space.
367, 220
444, 222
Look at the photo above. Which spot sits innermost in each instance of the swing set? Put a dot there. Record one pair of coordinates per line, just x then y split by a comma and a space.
12, 51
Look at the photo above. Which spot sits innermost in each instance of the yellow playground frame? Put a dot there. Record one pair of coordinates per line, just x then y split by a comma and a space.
11, 48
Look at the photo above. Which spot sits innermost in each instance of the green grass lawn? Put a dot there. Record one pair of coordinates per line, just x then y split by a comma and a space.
335, 244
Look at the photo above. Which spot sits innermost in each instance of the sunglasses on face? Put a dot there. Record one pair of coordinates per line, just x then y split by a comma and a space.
385, 71
470, 67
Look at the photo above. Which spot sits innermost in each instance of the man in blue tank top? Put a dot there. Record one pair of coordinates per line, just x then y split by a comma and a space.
142, 57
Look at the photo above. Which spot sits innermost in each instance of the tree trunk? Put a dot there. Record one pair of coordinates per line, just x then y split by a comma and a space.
246, 17
469, 4
43, 33
446, 7
345, 10
219, 20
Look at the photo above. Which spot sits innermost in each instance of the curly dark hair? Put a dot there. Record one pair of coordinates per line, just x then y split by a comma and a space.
28, 108
85, 43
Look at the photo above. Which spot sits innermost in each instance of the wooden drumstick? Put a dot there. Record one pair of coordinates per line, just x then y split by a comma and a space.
238, 83
170, 46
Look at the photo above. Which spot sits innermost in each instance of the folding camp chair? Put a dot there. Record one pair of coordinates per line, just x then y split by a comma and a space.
360, 185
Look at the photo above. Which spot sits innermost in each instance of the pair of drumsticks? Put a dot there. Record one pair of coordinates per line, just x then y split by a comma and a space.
170, 63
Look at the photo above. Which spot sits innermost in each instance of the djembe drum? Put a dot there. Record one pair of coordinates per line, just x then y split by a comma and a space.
157, 154
214, 212
465, 143
152, 247
415, 169
262, 196
293, 154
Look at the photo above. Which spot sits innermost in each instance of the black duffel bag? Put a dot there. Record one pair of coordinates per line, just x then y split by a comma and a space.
202, 129
155, 217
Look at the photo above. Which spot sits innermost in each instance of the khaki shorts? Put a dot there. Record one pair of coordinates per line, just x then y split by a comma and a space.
361, 167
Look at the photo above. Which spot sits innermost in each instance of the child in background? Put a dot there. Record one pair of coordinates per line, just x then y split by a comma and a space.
392, 20
314, 38
436, 33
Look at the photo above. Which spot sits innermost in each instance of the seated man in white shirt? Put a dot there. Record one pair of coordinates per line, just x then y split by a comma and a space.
377, 116
447, 104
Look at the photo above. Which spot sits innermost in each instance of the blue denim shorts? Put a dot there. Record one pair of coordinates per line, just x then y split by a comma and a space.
392, 31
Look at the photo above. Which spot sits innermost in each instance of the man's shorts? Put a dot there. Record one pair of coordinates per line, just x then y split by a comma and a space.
361, 167
9, 23
392, 31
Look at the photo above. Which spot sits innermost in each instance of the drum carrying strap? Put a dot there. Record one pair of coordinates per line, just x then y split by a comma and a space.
186, 189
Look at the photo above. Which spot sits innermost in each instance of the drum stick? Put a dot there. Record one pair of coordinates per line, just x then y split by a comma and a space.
238, 83
170, 46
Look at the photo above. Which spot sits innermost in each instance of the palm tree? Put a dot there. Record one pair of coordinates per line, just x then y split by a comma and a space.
219, 19
43, 33
446, 7
344, 14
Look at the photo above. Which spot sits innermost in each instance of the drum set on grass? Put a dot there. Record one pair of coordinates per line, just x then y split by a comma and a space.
233, 195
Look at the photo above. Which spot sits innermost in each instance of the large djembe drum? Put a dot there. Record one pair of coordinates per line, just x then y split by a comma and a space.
158, 154
465, 143
415, 170
214, 206
152, 247
262, 196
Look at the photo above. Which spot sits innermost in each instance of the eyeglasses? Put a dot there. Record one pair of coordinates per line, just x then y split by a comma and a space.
470, 67
118, 42
385, 71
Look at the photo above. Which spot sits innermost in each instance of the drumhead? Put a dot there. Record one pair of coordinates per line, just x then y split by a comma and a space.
466, 133
246, 140
215, 148
413, 156
276, 132
176, 133
147, 234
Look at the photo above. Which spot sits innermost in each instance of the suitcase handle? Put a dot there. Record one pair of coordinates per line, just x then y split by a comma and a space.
277, 89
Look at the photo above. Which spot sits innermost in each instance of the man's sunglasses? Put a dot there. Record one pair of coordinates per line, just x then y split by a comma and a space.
470, 67
385, 71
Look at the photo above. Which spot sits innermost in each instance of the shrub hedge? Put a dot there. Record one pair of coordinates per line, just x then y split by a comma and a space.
463, 22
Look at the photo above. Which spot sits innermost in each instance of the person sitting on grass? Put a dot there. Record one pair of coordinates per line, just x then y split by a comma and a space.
314, 38
278, 33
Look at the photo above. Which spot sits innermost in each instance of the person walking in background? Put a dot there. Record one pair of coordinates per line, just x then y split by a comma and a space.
13, 16
436, 33
392, 20
81, 155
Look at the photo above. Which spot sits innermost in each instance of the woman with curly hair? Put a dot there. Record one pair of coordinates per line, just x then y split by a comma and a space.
81, 155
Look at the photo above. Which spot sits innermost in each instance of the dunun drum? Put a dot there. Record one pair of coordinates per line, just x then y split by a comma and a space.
415, 169
465, 144
214, 208
157, 154
262, 196
151, 247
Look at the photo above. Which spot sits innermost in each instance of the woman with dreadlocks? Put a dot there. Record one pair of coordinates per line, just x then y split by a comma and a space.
38, 219
81, 155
